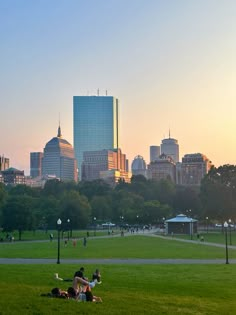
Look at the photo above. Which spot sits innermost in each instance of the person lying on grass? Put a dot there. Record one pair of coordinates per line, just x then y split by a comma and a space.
77, 280
83, 295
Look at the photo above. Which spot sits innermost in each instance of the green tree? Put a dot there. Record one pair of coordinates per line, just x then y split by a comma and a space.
154, 212
76, 208
187, 198
101, 207
94, 188
218, 193
3, 197
47, 212
53, 187
18, 214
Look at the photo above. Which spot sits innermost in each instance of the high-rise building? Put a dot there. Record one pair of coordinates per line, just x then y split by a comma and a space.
95, 162
95, 124
36, 164
163, 168
12, 176
154, 152
194, 167
59, 159
170, 147
4, 163
138, 166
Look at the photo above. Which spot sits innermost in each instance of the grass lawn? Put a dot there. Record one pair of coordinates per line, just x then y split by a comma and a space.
212, 237
43, 235
125, 289
115, 247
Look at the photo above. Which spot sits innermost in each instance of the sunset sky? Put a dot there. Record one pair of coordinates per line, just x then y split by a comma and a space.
171, 63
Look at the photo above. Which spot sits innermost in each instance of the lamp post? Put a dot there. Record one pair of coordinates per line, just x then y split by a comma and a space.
121, 222
230, 240
58, 240
94, 222
207, 224
68, 223
226, 243
191, 222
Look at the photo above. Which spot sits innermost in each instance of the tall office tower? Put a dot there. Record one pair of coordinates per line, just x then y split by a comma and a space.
59, 159
36, 164
170, 147
4, 163
194, 168
154, 152
163, 168
95, 124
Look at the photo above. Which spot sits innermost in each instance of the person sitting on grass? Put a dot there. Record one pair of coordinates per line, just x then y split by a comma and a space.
97, 276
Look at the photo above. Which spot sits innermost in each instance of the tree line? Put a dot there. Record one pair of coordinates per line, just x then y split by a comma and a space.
140, 202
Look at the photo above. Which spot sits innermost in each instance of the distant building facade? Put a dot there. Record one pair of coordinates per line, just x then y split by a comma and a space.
163, 168
95, 127
138, 166
113, 177
4, 163
170, 147
194, 167
95, 162
36, 164
59, 159
154, 152
12, 176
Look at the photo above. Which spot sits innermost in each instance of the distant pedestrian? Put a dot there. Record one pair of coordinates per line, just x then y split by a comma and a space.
65, 243
74, 243
51, 237
202, 239
85, 241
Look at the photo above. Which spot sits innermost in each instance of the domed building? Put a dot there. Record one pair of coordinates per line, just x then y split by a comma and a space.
59, 159
138, 166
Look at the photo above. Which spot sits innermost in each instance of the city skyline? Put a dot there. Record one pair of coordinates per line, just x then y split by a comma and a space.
170, 64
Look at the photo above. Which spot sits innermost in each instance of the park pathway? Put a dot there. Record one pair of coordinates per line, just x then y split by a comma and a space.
131, 261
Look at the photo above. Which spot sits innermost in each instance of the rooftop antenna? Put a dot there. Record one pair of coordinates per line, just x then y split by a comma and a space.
59, 128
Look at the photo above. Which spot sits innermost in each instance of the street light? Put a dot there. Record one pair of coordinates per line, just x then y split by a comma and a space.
94, 219
191, 222
230, 240
226, 243
207, 223
58, 240
68, 223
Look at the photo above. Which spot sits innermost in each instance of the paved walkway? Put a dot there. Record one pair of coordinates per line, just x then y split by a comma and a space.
114, 261
133, 261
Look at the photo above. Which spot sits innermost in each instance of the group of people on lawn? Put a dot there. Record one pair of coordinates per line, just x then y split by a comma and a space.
81, 287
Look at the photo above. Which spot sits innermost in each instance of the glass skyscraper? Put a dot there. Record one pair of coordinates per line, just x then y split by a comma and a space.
95, 124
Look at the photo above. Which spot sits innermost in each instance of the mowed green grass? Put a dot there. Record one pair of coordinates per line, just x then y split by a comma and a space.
125, 289
212, 237
115, 247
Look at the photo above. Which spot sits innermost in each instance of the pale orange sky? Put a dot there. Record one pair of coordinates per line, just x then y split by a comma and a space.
170, 63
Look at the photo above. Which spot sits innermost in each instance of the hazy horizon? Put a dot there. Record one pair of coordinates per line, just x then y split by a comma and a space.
170, 63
